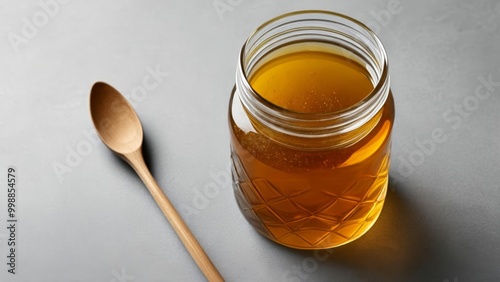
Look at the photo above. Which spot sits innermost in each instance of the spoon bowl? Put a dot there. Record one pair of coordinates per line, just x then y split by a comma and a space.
120, 129
115, 120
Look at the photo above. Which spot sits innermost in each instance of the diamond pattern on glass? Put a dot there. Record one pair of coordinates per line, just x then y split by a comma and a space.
288, 218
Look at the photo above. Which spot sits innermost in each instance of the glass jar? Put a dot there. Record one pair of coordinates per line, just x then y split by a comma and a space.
310, 121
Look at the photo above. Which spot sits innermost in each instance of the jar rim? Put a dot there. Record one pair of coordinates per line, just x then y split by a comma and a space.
341, 112
337, 128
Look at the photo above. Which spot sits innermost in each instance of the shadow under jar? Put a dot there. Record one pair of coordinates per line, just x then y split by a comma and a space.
310, 121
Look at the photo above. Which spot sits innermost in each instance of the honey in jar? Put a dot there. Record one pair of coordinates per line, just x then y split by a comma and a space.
310, 120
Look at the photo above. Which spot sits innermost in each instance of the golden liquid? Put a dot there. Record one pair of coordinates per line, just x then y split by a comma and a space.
312, 82
310, 199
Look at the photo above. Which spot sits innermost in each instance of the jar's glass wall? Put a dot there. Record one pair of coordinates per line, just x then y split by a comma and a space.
295, 179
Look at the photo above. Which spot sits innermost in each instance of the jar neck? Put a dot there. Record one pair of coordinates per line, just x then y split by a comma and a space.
314, 130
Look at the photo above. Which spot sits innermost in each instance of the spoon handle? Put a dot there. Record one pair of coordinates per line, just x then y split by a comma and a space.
136, 160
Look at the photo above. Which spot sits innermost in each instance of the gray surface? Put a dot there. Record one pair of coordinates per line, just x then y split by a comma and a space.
98, 223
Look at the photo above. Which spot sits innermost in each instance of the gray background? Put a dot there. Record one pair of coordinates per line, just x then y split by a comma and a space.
95, 221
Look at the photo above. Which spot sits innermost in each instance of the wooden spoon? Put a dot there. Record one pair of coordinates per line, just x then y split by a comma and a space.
120, 129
